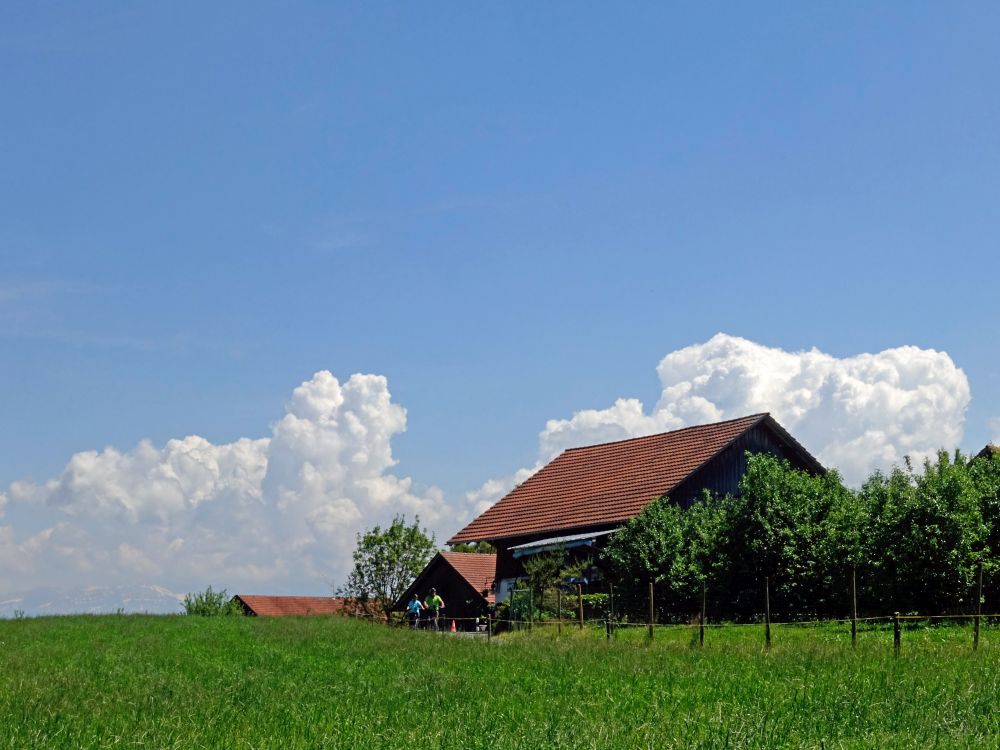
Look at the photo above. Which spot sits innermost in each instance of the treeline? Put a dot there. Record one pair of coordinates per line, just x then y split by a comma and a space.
913, 538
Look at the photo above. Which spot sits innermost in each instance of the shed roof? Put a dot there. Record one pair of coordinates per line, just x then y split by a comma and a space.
283, 606
478, 569
601, 485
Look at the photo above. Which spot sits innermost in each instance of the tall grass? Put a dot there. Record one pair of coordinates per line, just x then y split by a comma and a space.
186, 682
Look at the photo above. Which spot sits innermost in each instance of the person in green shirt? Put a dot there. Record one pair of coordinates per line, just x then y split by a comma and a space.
434, 604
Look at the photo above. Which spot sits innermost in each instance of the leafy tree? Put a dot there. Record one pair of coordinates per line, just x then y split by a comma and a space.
545, 570
783, 532
210, 603
930, 535
708, 530
782, 526
650, 547
385, 562
985, 473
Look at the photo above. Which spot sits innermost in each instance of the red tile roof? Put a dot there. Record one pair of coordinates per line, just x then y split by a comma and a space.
604, 484
282, 606
479, 570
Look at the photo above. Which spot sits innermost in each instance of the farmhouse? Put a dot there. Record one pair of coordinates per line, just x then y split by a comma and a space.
584, 494
463, 579
289, 606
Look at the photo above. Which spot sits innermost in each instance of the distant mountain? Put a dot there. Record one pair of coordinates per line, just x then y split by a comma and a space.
91, 600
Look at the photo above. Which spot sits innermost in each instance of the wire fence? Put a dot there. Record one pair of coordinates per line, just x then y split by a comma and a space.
490, 629
519, 616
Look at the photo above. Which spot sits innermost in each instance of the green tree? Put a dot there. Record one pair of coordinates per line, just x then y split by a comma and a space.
544, 570
708, 533
783, 531
930, 534
385, 562
650, 547
985, 473
209, 603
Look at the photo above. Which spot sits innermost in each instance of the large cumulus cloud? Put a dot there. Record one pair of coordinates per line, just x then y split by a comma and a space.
854, 413
275, 513
279, 513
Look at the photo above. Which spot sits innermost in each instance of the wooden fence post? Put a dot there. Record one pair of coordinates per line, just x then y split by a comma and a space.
489, 628
701, 618
579, 601
767, 611
559, 612
979, 608
531, 607
652, 614
854, 606
611, 609
896, 635
607, 628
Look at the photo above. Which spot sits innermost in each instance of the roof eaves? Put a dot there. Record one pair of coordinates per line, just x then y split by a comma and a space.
795, 444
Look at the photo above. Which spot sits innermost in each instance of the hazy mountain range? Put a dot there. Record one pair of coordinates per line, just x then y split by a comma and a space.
91, 600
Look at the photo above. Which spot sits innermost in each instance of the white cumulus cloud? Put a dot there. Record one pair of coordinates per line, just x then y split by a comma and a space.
277, 512
853, 413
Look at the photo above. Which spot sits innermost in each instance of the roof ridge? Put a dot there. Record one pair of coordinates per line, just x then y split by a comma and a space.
757, 416
476, 554
293, 596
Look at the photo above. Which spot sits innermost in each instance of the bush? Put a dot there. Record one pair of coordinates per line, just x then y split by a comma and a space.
594, 606
210, 603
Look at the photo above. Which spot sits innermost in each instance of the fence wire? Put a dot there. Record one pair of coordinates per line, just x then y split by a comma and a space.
489, 628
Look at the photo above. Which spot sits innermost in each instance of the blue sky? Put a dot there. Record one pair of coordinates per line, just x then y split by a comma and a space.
512, 213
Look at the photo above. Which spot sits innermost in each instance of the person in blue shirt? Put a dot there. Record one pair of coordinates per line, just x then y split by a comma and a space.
413, 610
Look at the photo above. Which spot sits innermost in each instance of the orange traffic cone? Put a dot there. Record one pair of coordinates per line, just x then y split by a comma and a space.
453, 628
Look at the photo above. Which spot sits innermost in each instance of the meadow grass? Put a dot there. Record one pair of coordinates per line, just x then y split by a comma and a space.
187, 682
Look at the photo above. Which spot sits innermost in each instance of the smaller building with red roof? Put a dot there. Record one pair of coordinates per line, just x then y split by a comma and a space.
463, 579
257, 605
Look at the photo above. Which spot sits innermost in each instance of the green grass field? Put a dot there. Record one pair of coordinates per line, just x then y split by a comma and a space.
185, 682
